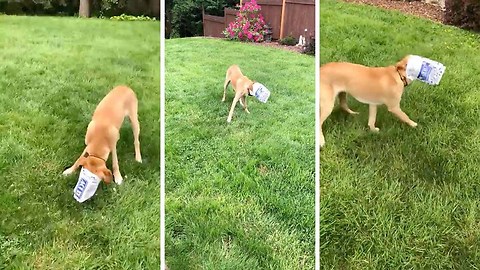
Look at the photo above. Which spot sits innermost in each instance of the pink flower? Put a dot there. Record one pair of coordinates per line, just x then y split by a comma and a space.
248, 24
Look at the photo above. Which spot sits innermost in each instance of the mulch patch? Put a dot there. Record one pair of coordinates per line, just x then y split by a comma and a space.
415, 8
277, 45
273, 44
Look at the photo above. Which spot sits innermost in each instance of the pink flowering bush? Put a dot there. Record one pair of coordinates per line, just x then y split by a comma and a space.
249, 24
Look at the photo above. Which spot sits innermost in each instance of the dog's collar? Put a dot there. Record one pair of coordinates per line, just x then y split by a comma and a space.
90, 155
404, 79
249, 93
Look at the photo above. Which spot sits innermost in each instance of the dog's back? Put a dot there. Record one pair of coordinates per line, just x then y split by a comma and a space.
117, 104
234, 74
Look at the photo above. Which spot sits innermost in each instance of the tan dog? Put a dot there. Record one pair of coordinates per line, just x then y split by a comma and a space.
242, 86
103, 133
370, 85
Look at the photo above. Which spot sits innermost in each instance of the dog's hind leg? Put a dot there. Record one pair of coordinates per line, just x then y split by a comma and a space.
232, 108
133, 115
372, 117
342, 96
225, 85
327, 102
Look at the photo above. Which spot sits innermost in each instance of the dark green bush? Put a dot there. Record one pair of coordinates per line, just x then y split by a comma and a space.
183, 18
463, 13
288, 40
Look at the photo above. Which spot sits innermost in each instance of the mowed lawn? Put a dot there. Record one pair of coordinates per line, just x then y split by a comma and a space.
238, 195
53, 72
404, 198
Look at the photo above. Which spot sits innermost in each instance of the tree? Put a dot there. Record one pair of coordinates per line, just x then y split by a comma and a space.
84, 10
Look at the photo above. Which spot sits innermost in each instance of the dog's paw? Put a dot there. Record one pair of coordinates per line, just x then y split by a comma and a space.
352, 112
375, 129
322, 141
229, 120
118, 179
413, 124
68, 171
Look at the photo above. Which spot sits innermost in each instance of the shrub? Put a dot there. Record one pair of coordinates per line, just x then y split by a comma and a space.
288, 40
100, 8
125, 17
463, 13
249, 24
184, 18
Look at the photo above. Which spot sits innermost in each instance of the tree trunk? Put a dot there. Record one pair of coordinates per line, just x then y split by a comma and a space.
155, 8
84, 10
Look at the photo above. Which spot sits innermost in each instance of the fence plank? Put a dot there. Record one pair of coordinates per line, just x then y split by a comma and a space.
304, 2
272, 13
298, 17
213, 26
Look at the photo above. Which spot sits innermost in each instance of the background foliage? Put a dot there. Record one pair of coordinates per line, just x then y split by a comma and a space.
184, 17
70, 8
463, 13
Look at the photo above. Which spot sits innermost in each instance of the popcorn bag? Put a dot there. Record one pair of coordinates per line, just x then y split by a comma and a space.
425, 70
86, 186
261, 92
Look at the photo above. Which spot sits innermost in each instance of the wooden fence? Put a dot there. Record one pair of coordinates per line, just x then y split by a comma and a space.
286, 17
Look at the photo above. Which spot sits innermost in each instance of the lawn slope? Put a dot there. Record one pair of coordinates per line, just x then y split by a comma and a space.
404, 198
238, 195
53, 72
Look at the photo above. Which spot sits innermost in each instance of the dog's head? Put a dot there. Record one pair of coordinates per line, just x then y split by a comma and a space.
97, 166
401, 67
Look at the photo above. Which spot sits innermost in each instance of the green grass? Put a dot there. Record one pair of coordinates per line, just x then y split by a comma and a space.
239, 195
403, 198
53, 72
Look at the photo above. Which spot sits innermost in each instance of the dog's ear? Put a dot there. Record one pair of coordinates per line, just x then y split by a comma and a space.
250, 86
402, 64
107, 175
82, 161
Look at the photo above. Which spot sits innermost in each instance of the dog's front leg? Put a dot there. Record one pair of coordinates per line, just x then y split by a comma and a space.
372, 117
243, 101
401, 115
117, 177
75, 166
232, 108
